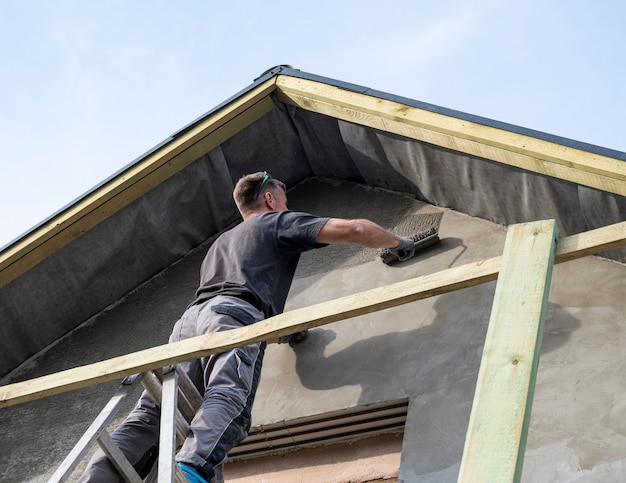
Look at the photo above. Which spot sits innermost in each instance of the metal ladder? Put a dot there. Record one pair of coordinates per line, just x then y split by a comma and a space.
179, 400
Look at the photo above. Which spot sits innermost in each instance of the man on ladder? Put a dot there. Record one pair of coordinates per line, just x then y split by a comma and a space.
245, 277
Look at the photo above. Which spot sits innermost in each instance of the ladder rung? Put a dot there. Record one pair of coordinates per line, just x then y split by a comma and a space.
189, 389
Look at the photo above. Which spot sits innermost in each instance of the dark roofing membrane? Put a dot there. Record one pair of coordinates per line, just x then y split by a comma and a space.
287, 70
294, 144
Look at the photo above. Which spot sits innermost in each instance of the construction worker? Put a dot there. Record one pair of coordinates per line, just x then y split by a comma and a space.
245, 278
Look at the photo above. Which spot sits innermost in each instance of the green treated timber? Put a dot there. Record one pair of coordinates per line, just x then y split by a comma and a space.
569, 248
498, 426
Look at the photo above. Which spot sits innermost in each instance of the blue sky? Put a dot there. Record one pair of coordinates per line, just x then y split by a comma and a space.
88, 86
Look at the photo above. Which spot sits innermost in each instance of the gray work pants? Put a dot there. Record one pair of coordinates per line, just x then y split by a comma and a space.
228, 382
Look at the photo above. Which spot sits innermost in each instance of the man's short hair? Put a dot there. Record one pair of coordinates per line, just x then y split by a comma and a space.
249, 189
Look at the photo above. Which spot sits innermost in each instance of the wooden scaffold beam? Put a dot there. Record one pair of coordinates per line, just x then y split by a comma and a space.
498, 425
569, 248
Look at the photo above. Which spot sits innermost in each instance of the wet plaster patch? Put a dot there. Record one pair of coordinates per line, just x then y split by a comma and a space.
430, 352
559, 463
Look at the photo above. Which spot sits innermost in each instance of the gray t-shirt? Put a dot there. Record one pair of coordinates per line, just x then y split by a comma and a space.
257, 259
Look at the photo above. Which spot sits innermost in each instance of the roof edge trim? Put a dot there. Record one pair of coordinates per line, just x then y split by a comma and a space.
613, 153
134, 180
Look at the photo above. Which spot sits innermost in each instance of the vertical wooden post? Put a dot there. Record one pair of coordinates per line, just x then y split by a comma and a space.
498, 426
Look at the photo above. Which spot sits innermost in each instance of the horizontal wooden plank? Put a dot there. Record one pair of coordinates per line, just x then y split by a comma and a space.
591, 242
134, 182
526, 152
498, 425
455, 278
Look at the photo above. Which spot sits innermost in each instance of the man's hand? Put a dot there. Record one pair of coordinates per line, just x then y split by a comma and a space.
290, 339
405, 249
293, 338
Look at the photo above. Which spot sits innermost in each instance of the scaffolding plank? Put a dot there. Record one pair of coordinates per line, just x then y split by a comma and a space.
498, 426
445, 281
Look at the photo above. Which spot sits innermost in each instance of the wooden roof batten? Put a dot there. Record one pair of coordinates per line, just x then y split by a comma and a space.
523, 151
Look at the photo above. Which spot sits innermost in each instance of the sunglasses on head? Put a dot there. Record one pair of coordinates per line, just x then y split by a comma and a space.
266, 177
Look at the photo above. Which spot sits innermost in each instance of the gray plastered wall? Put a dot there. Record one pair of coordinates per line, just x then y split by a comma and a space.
427, 351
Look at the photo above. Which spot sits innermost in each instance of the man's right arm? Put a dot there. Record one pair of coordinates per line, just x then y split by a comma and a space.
360, 231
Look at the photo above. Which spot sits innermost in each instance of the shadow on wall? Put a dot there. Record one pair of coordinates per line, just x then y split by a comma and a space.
435, 366
429, 359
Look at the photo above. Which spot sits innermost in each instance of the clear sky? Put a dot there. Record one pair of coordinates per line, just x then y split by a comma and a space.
89, 86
